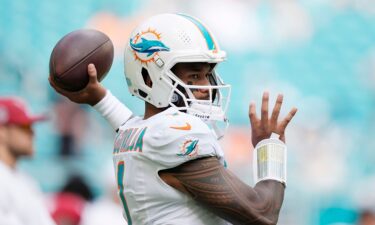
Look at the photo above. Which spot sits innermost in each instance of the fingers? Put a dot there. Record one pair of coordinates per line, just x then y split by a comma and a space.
252, 114
276, 110
287, 119
91, 70
264, 109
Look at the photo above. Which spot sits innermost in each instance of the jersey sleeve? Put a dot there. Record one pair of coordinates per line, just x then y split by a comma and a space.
178, 139
113, 110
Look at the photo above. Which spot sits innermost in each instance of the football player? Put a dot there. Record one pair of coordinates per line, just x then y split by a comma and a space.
169, 165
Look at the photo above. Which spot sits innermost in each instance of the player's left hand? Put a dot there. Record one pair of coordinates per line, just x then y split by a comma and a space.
263, 128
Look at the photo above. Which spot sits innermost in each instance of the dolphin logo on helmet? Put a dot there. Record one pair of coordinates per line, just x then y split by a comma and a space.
148, 46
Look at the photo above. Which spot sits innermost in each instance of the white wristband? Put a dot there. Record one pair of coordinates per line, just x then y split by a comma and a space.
269, 160
113, 110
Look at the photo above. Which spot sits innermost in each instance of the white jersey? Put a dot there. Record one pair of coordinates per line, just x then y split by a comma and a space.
20, 200
102, 211
163, 141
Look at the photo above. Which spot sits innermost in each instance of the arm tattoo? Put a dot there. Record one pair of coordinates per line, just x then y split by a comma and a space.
221, 192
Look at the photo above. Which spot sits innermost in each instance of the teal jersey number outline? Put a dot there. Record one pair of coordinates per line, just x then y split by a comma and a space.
120, 183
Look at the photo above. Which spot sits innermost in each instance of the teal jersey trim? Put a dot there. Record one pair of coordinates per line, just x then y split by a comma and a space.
120, 183
209, 40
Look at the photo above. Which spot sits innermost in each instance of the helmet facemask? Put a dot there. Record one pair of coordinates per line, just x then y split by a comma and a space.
211, 109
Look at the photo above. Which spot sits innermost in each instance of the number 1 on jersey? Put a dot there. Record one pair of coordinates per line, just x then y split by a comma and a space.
120, 183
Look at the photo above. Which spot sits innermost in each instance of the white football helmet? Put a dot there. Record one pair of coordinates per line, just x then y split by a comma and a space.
160, 43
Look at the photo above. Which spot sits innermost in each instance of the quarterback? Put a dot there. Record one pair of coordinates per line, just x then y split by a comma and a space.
169, 165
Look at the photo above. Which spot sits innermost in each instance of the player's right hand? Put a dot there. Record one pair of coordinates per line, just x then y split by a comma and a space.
91, 94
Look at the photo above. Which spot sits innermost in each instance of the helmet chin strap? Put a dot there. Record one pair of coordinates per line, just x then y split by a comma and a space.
213, 116
220, 132
206, 111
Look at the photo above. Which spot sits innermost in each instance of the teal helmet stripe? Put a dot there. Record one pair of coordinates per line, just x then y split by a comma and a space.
206, 34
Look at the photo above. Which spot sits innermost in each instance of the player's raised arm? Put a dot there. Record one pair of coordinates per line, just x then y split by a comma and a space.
220, 191
97, 96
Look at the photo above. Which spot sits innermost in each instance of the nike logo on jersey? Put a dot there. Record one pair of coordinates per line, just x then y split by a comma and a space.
186, 127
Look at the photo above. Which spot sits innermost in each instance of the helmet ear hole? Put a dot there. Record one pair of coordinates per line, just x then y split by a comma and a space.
146, 77
142, 93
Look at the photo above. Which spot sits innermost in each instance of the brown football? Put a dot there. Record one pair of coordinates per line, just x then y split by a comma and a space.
74, 52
